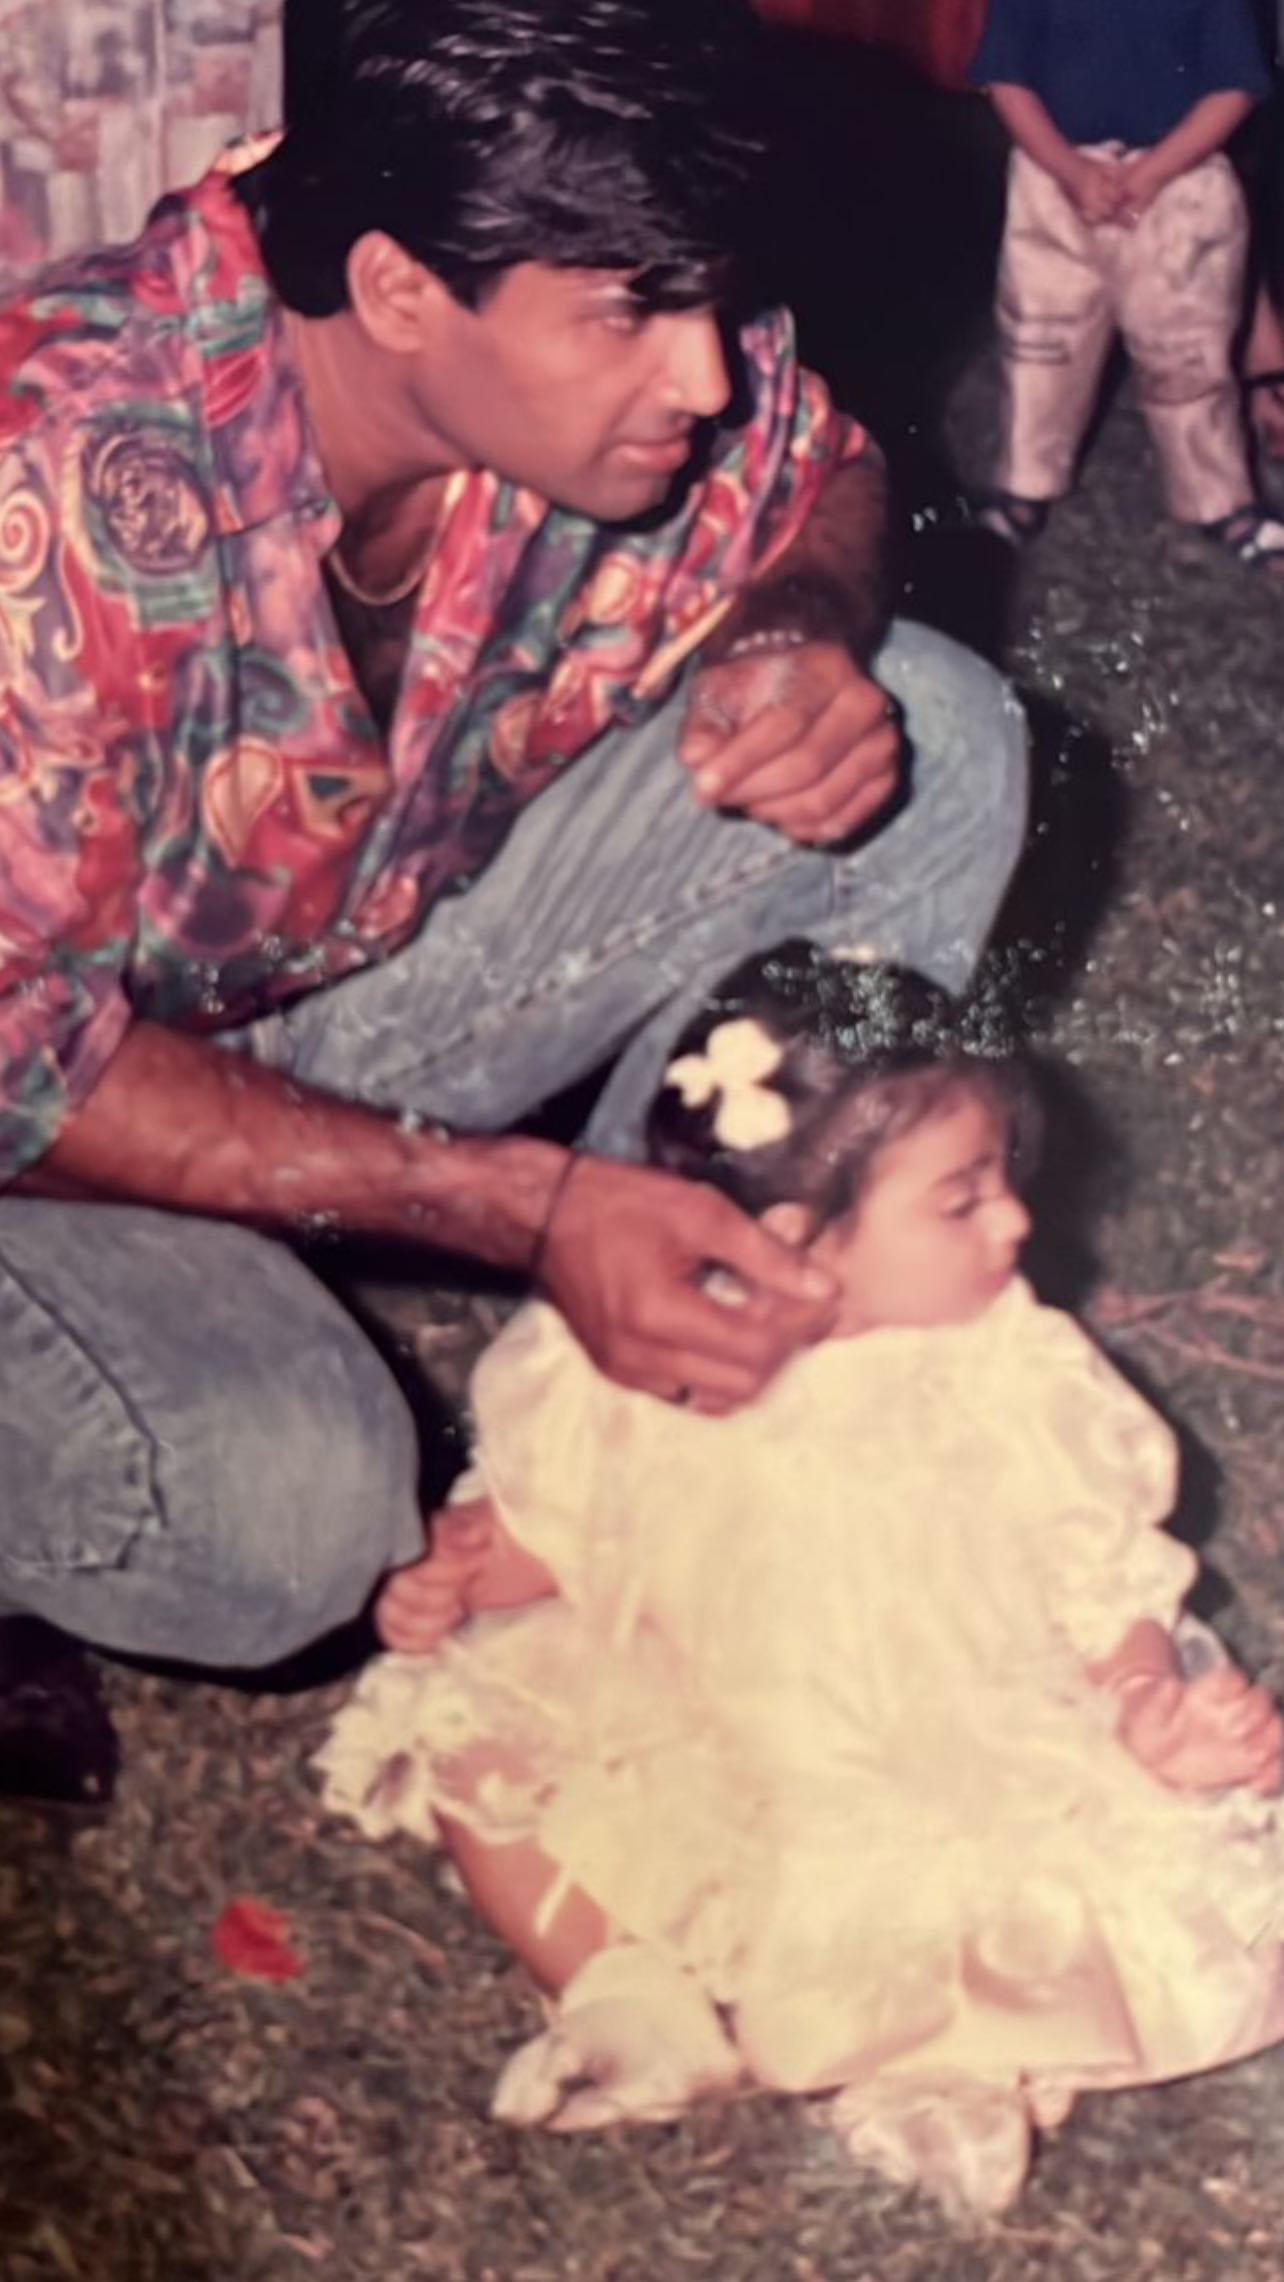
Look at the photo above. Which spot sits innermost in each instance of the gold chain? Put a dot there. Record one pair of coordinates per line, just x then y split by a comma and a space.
399, 593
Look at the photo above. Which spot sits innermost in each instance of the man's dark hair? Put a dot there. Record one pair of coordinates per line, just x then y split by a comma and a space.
596, 134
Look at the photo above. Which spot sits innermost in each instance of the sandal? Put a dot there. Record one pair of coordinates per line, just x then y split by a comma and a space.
1252, 536
1014, 520
1268, 424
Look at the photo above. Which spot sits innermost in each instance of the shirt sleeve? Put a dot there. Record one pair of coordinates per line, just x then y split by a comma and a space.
69, 840
1230, 50
1011, 44
548, 1427
1106, 1468
786, 451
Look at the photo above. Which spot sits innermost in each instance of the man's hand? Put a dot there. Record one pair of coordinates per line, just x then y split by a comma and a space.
1203, 1734
1095, 188
626, 1256
800, 739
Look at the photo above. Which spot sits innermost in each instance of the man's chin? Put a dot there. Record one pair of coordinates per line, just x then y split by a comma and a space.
634, 497
640, 500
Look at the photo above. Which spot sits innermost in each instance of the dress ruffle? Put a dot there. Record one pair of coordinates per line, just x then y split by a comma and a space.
812, 1714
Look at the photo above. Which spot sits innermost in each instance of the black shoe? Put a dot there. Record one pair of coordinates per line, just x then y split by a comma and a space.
57, 1742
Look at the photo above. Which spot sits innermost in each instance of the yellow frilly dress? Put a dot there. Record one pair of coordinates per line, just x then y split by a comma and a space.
812, 1715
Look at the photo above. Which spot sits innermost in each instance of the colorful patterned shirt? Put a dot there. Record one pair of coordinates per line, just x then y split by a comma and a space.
198, 818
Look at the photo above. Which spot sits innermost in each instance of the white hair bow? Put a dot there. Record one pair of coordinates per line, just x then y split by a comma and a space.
737, 1057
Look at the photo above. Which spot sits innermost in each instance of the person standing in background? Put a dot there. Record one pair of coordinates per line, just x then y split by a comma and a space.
1124, 214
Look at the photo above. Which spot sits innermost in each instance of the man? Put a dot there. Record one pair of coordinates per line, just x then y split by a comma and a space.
408, 472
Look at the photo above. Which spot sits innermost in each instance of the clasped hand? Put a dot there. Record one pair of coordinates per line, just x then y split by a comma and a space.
1115, 189
799, 739
1204, 1734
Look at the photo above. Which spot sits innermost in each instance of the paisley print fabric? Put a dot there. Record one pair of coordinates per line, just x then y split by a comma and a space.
198, 817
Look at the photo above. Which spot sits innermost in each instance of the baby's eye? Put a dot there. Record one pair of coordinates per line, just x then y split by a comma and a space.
961, 1211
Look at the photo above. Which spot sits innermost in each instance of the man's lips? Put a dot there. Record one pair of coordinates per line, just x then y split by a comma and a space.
664, 452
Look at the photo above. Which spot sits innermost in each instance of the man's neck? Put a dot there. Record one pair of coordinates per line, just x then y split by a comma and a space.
382, 549
384, 468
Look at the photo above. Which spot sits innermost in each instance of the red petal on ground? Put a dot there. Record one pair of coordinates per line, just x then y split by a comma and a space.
250, 1938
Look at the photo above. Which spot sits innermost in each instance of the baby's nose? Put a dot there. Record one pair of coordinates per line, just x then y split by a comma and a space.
1012, 1222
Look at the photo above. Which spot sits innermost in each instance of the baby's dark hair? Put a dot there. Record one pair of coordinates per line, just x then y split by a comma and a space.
867, 1051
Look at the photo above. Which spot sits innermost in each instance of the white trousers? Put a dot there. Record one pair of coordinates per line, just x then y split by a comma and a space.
1172, 285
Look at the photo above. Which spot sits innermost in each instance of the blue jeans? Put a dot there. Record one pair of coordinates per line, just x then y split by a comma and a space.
201, 1456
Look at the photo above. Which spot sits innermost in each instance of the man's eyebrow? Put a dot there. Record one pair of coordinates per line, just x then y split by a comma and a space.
604, 285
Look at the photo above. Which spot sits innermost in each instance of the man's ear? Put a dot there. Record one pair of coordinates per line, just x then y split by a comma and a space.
794, 1224
393, 297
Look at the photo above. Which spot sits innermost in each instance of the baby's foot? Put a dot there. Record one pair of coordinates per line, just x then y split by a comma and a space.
965, 2142
632, 2039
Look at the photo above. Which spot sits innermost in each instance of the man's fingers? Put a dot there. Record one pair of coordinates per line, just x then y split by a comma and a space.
832, 759
690, 1347
824, 774
796, 741
626, 1259
832, 815
707, 729
719, 1356
814, 782
764, 1266
776, 730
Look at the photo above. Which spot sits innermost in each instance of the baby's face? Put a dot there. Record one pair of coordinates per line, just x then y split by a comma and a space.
936, 1233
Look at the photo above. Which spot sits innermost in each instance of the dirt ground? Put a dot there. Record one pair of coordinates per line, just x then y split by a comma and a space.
165, 2120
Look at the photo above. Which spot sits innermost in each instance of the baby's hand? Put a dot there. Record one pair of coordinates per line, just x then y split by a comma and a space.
1204, 1734
419, 1605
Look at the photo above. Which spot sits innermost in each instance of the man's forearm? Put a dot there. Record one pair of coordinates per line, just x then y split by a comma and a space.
174, 1121
831, 584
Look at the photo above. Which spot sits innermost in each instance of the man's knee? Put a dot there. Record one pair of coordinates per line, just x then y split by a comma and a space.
960, 713
205, 1457
291, 1527
968, 742
267, 1528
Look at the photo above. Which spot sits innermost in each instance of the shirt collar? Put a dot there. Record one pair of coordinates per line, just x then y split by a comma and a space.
266, 461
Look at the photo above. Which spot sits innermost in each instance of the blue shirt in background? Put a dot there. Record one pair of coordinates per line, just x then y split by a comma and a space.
1121, 70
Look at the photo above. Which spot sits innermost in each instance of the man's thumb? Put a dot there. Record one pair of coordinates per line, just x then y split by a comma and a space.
698, 742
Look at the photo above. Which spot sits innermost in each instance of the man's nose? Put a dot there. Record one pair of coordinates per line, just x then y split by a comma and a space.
696, 370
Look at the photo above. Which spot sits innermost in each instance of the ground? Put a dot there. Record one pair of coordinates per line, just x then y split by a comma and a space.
169, 2120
